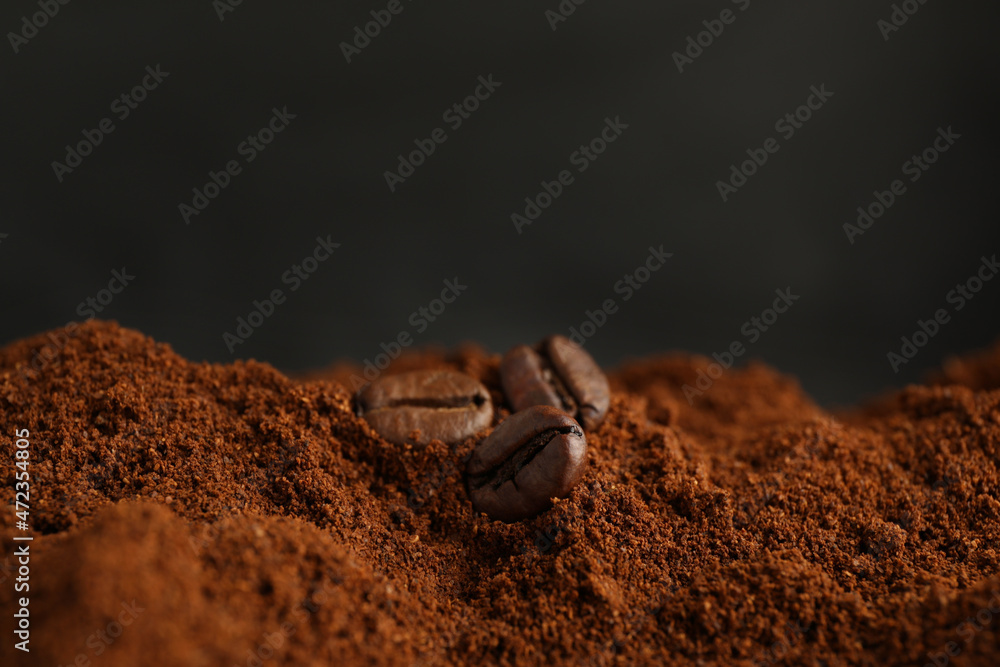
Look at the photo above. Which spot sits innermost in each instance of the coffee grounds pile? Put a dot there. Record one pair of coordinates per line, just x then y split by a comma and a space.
195, 514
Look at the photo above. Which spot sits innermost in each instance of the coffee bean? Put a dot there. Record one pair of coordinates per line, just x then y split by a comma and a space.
533, 456
442, 405
557, 372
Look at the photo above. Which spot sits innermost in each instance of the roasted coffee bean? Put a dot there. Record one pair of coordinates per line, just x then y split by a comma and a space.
557, 372
533, 456
442, 405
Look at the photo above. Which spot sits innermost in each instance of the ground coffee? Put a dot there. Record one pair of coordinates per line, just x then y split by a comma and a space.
197, 514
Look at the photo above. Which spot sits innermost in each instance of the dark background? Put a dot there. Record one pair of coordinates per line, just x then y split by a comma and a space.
655, 185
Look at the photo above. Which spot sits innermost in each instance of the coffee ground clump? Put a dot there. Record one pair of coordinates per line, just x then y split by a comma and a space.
200, 514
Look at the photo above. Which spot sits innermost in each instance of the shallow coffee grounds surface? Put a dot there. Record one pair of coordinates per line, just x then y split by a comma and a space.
195, 514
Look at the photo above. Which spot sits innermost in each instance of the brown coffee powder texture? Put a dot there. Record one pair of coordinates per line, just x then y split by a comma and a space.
199, 514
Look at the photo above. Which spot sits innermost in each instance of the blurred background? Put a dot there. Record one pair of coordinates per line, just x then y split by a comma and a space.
558, 71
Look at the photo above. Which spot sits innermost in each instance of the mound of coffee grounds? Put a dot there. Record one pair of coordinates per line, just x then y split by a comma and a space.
199, 514
977, 371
